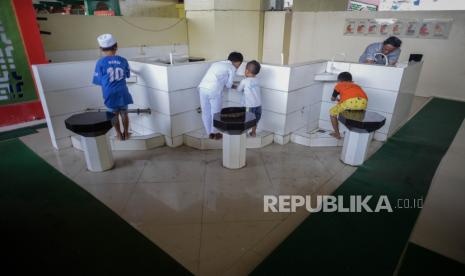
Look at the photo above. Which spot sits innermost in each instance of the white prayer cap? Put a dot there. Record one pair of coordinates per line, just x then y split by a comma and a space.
106, 40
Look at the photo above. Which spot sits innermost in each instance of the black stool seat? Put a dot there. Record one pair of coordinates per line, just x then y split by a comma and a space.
91, 124
234, 120
362, 121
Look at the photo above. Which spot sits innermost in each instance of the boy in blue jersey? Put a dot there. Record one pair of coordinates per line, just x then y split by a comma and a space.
110, 73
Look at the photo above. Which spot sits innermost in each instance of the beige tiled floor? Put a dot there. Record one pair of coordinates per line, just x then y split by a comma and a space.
207, 217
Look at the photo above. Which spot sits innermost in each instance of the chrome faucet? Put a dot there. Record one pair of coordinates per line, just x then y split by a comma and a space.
384, 56
141, 50
173, 47
332, 68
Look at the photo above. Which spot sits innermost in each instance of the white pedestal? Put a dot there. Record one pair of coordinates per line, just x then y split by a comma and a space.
98, 153
355, 147
234, 150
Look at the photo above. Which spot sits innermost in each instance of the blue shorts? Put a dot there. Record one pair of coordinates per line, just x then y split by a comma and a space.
257, 111
122, 109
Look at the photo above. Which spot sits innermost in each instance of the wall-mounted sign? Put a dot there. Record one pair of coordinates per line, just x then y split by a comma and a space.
385, 26
414, 28
349, 28
411, 28
360, 6
361, 27
16, 84
373, 27
398, 28
435, 28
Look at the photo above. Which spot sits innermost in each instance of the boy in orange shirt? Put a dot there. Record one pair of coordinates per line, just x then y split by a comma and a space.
351, 97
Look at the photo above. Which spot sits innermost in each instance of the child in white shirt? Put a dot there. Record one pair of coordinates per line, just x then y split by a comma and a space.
251, 88
219, 75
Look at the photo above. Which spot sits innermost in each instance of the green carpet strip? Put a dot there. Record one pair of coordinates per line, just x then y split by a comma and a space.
20, 132
50, 226
421, 261
372, 243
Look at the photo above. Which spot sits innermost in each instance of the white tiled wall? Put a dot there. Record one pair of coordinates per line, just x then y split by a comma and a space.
184, 100
304, 97
186, 76
273, 122
390, 92
314, 115
130, 52
81, 98
274, 77
185, 122
67, 75
172, 91
274, 100
296, 120
291, 99
304, 75
147, 97
377, 77
287, 109
336, 67
65, 89
150, 75
405, 97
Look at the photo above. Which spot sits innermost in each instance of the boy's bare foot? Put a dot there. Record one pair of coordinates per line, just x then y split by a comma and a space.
253, 134
127, 135
119, 136
335, 135
218, 136
212, 136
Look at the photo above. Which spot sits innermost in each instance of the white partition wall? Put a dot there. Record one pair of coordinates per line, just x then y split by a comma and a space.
292, 101
390, 92
290, 98
404, 99
65, 89
171, 93
162, 51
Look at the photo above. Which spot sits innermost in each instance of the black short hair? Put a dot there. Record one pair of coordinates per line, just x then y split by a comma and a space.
394, 41
236, 57
111, 48
253, 66
344, 76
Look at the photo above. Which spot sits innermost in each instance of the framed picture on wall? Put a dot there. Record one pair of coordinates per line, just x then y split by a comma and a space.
437, 28
362, 27
414, 28
411, 28
397, 28
385, 26
425, 30
349, 27
373, 27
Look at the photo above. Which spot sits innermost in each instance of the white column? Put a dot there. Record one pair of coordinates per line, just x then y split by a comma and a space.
234, 150
355, 147
98, 153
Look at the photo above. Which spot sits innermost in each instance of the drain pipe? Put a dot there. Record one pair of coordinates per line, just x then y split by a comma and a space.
138, 111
